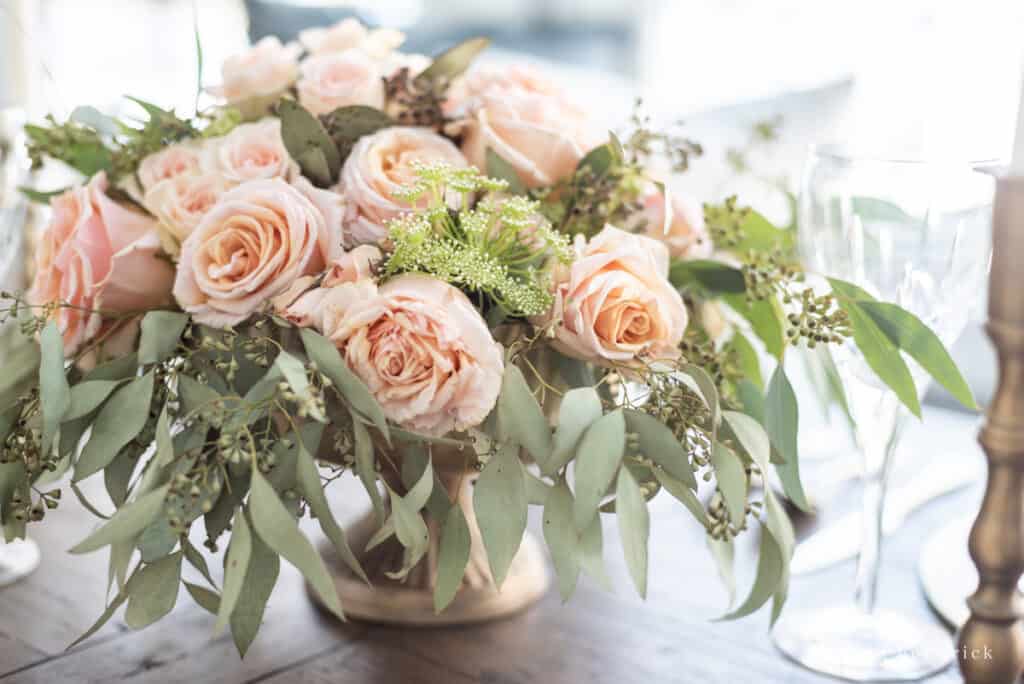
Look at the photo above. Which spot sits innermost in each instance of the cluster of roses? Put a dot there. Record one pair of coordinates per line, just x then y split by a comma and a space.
246, 231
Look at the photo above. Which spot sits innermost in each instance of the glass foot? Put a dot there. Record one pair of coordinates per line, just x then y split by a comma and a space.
17, 559
848, 643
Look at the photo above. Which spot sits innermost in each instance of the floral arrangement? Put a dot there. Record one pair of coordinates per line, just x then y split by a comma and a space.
361, 256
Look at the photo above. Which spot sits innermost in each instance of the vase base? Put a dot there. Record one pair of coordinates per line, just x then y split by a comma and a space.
391, 602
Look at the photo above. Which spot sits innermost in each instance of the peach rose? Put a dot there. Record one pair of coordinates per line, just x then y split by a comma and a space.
526, 121
181, 202
419, 344
379, 165
302, 303
251, 246
614, 303
350, 34
250, 151
264, 71
338, 80
171, 162
97, 255
686, 237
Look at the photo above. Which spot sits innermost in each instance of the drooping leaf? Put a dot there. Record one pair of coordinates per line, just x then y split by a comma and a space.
87, 396
597, 459
325, 355
236, 566
781, 527
453, 62
562, 538
275, 525
206, 599
54, 393
117, 475
161, 331
769, 574
634, 528
782, 421
661, 446
580, 407
706, 390
708, 277
499, 501
365, 466
732, 480
122, 418
312, 489
751, 436
128, 521
260, 577
746, 355
915, 338
878, 350
153, 591
766, 319
452, 558
681, 491
195, 558
498, 167
520, 418
592, 554
410, 529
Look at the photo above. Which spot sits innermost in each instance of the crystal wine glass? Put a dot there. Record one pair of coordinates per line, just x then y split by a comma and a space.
914, 233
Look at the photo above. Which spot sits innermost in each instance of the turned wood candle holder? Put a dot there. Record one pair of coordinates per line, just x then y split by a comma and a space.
991, 643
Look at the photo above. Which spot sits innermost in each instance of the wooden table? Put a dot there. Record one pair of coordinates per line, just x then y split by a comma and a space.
597, 637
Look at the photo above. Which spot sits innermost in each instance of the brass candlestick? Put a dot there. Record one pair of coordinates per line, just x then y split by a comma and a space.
991, 644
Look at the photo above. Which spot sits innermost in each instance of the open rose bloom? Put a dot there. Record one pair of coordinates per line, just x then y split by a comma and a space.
433, 274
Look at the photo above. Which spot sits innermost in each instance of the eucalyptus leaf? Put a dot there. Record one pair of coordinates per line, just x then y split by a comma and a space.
325, 355
878, 350
453, 62
119, 421
157, 540
907, 332
206, 599
562, 538
708, 391
274, 525
499, 501
769, 575
411, 531
591, 554
87, 396
236, 566
415, 462
313, 491
579, 409
128, 521
752, 437
108, 613
732, 480
118, 475
537, 491
452, 559
682, 492
161, 331
120, 368
781, 527
365, 466
346, 125
294, 372
498, 167
153, 591
766, 320
599, 160
782, 422
661, 446
708, 277
597, 459
54, 393
747, 356
301, 131
634, 528
315, 167
521, 419
260, 577
195, 558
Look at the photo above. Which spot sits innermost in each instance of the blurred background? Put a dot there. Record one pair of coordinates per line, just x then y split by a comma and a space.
937, 79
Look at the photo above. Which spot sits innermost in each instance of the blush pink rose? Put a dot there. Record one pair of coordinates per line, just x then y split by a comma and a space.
251, 246
614, 303
181, 202
301, 304
379, 165
338, 80
97, 255
250, 151
171, 162
419, 344
349, 34
686, 236
265, 70
527, 122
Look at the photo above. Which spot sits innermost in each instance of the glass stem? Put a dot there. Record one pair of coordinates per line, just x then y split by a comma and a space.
878, 447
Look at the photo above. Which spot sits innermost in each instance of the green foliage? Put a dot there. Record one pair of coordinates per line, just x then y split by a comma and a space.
499, 501
346, 125
309, 143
